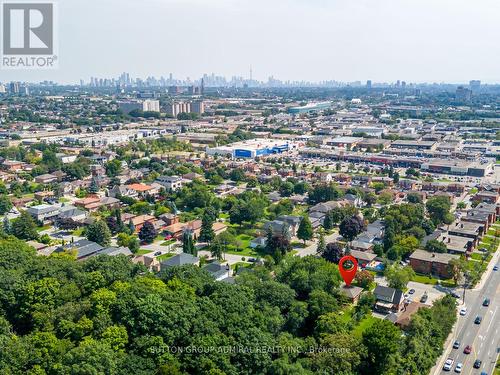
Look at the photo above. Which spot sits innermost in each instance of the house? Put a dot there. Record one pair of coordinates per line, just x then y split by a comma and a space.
362, 257
258, 242
12, 165
351, 292
176, 230
84, 248
44, 213
123, 191
139, 221
372, 235
218, 271
142, 189
42, 195
388, 299
170, 183
73, 213
407, 184
93, 203
353, 200
169, 218
404, 319
436, 264
45, 178
179, 260
114, 251
284, 223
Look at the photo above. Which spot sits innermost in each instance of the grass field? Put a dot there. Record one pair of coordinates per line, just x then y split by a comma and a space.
142, 251
424, 279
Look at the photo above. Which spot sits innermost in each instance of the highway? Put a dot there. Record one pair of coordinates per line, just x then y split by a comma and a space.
485, 337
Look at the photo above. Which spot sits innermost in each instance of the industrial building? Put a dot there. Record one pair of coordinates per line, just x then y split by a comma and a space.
310, 107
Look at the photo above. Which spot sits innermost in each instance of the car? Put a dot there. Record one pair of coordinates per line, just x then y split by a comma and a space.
423, 299
157, 253
411, 291
448, 364
477, 363
463, 311
168, 237
455, 294
252, 260
486, 302
467, 349
495, 268
458, 367
456, 344
478, 320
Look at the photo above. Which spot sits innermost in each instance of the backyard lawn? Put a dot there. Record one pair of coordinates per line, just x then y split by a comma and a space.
165, 256
143, 251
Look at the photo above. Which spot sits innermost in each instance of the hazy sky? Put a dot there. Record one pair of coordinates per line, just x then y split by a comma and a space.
345, 40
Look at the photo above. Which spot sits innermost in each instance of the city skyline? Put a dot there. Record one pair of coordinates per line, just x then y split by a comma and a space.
304, 41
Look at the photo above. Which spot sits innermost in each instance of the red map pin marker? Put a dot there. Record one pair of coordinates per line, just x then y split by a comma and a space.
348, 271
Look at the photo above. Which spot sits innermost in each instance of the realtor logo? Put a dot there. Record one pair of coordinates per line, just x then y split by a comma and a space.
28, 35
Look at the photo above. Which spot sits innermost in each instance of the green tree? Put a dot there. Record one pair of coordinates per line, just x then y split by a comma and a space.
148, 233
24, 227
398, 277
113, 168
305, 231
351, 227
382, 340
321, 244
188, 246
438, 208
436, 246
99, 233
5, 204
206, 232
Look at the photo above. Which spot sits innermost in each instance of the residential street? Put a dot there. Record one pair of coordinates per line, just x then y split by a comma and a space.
484, 338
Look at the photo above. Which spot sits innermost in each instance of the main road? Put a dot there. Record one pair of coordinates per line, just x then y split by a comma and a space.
484, 338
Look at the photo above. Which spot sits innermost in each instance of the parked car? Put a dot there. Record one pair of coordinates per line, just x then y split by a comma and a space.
486, 302
455, 294
448, 364
168, 237
411, 291
467, 349
463, 311
456, 344
477, 363
458, 367
252, 260
495, 268
424, 297
157, 253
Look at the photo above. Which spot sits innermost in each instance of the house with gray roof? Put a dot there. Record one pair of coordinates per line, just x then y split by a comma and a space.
179, 260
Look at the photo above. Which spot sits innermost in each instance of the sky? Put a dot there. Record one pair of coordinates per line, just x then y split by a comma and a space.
314, 40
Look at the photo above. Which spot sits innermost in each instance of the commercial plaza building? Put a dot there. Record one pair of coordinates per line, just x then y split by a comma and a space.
253, 148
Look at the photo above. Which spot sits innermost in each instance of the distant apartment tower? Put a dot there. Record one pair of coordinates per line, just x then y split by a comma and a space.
151, 105
14, 87
475, 85
463, 94
369, 84
198, 107
173, 90
2, 89
129, 106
